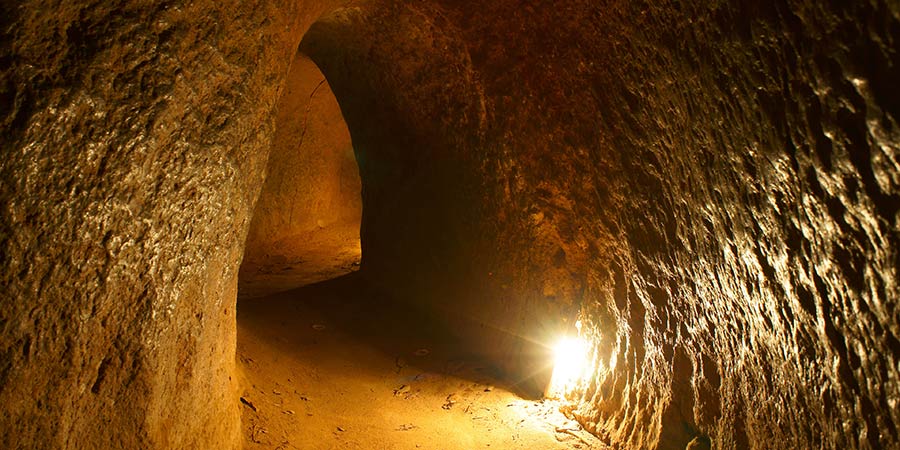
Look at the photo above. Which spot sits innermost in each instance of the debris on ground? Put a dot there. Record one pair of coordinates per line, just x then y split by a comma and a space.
449, 402
402, 390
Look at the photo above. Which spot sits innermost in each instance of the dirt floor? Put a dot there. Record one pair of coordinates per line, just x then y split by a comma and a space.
333, 366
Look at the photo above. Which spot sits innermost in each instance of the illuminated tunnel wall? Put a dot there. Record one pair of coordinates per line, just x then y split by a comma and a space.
305, 225
710, 187
312, 181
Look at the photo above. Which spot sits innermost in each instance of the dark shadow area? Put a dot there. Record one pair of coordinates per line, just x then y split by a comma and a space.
348, 305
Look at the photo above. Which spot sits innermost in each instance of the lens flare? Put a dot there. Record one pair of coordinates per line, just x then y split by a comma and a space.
571, 355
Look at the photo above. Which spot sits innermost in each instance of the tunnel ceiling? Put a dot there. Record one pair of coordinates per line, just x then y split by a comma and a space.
711, 187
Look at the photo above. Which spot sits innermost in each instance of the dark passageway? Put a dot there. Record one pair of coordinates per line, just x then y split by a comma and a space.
678, 219
326, 360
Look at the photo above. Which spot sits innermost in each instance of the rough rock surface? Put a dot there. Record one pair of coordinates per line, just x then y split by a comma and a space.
134, 141
712, 186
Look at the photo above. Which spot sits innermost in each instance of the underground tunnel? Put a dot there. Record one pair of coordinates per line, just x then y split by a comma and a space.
435, 224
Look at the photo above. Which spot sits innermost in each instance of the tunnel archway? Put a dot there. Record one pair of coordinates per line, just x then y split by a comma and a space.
392, 322
305, 226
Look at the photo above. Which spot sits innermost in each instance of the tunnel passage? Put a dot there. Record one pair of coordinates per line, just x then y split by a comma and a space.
382, 345
305, 225
522, 180
711, 187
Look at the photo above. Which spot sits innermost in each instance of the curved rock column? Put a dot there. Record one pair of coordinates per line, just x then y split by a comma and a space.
134, 141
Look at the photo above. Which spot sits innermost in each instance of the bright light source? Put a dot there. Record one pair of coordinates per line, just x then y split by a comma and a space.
571, 356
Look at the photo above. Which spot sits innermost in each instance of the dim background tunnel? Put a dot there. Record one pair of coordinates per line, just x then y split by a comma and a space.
706, 192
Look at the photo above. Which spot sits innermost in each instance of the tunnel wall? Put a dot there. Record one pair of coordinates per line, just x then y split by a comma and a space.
312, 182
711, 186
134, 140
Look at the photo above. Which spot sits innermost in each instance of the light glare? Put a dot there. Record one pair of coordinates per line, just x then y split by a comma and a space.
570, 360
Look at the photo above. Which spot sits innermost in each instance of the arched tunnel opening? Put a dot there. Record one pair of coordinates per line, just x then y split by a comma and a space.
316, 334
449, 224
305, 225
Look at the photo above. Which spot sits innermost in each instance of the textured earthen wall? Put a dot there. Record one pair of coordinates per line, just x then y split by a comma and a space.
134, 138
712, 186
312, 183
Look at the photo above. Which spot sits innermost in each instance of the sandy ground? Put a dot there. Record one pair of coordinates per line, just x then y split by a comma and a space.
332, 366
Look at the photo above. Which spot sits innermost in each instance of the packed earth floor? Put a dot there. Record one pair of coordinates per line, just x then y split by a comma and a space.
333, 365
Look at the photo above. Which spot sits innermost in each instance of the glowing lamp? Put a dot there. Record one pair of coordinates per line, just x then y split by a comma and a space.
571, 354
